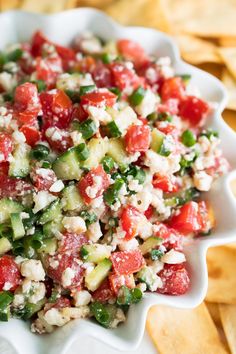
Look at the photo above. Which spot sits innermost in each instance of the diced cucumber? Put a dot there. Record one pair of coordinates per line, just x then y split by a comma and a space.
71, 199
17, 226
7, 207
161, 143
49, 246
52, 227
30, 309
95, 253
5, 245
19, 166
67, 166
124, 118
94, 279
5, 300
146, 275
117, 151
51, 213
98, 148
149, 244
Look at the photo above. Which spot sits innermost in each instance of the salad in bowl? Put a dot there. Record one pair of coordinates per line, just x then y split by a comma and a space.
105, 155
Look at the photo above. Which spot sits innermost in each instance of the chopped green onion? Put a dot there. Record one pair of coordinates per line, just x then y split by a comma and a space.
209, 133
82, 151
84, 253
165, 117
41, 85
46, 164
138, 173
156, 254
113, 129
184, 77
39, 152
86, 89
111, 194
152, 117
18, 248
108, 164
188, 138
89, 218
37, 240
137, 96
188, 195
136, 295
124, 296
104, 314
113, 222
5, 300
165, 148
74, 95
106, 58
88, 128
116, 91
15, 55
8, 97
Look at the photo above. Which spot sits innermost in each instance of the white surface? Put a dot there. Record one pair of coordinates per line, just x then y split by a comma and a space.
63, 27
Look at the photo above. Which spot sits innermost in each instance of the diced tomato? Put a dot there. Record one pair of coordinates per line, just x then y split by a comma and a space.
63, 140
102, 75
104, 292
41, 181
72, 242
193, 109
13, 187
27, 99
96, 178
123, 77
57, 108
6, 146
137, 138
4, 168
171, 237
85, 65
60, 303
26, 117
67, 55
175, 279
9, 273
206, 216
98, 99
170, 106
38, 41
65, 260
116, 281
48, 69
127, 262
173, 88
149, 212
130, 218
168, 128
32, 134
187, 219
167, 184
132, 51
78, 113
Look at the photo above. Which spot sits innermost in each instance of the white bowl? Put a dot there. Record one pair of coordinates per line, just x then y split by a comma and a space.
63, 27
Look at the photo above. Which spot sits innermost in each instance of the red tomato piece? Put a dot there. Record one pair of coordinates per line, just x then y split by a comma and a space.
98, 180
38, 41
98, 99
116, 281
67, 55
123, 77
58, 139
102, 75
130, 218
79, 113
72, 242
149, 212
166, 183
64, 261
175, 279
4, 168
32, 134
43, 181
133, 51
173, 88
26, 98
9, 273
27, 117
57, 108
6, 146
127, 262
187, 220
193, 109
171, 106
48, 69
13, 187
171, 238
104, 292
137, 138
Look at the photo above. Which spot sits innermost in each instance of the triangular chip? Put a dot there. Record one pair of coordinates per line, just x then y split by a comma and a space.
228, 55
176, 331
230, 84
228, 318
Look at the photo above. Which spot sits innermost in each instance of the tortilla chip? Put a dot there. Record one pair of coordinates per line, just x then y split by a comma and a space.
209, 18
213, 69
100, 4
228, 55
149, 13
227, 42
214, 311
197, 51
221, 271
230, 118
230, 84
42, 6
176, 331
9, 5
228, 318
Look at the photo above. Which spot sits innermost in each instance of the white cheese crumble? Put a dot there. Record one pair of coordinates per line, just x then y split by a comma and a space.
67, 277
32, 269
57, 186
74, 224
82, 298
41, 200
173, 257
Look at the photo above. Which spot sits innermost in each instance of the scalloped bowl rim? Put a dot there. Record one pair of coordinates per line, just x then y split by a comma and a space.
129, 335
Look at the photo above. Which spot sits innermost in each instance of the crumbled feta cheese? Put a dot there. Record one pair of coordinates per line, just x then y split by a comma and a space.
41, 200
74, 224
18, 300
173, 257
148, 104
82, 298
32, 269
99, 114
202, 181
93, 190
120, 317
67, 277
94, 232
128, 245
37, 293
7, 286
57, 186
55, 317
18, 137
7, 81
